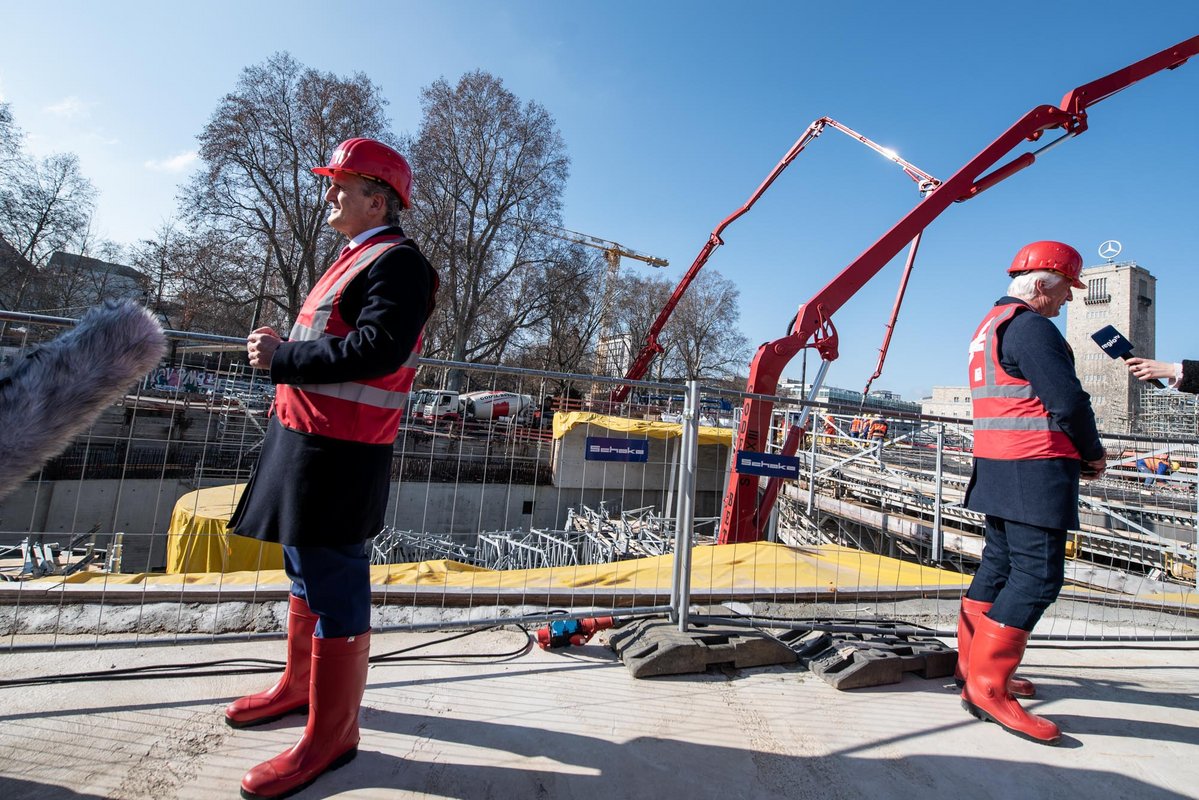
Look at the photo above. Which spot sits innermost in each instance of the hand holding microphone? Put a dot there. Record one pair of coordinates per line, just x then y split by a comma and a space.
1148, 369
1112, 342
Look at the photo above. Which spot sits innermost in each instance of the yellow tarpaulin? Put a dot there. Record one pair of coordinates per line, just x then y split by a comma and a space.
564, 421
198, 541
760, 567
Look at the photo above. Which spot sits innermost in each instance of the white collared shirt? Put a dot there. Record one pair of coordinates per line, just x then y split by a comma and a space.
362, 237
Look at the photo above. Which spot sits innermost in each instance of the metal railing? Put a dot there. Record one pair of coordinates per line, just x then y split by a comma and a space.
522, 515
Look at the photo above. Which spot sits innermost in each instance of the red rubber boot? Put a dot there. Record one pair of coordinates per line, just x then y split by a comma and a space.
290, 693
994, 655
331, 738
967, 619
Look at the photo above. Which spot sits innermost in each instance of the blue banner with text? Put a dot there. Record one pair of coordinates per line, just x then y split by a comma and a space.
605, 448
767, 464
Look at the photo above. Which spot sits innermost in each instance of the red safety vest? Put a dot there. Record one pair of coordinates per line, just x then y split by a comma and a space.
1010, 422
366, 411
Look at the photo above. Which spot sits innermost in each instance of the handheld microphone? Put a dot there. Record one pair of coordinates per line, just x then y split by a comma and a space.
1112, 342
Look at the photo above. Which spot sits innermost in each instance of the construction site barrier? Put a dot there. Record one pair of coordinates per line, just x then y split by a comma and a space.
585, 511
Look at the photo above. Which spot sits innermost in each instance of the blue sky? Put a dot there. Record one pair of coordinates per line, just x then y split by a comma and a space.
674, 112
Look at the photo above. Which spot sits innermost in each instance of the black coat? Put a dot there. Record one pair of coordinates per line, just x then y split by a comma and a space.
1042, 491
313, 491
1190, 377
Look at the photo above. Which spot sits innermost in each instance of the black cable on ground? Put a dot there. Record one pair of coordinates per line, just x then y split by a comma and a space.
229, 666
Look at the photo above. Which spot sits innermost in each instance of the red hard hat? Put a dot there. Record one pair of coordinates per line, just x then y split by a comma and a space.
375, 160
1052, 256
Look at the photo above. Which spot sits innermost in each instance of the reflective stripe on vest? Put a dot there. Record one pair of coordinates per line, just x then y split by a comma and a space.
1010, 421
366, 411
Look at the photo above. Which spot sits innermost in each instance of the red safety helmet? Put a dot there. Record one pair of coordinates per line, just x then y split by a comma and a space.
374, 160
1052, 256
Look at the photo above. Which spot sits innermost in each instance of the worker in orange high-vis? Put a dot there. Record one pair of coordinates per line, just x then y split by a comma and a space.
878, 428
321, 483
856, 427
1152, 466
1034, 436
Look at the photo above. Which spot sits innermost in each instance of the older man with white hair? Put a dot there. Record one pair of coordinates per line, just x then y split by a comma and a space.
1034, 437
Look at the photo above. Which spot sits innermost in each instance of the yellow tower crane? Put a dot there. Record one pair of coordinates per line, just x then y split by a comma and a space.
613, 356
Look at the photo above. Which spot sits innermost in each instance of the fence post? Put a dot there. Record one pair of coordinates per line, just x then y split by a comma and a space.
812, 473
679, 584
1197, 524
689, 463
938, 536
678, 475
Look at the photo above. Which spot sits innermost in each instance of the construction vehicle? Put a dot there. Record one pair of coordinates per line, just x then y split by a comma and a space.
434, 406
494, 405
746, 508
743, 516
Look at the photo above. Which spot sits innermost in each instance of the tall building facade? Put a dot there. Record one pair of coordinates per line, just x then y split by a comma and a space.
948, 401
1123, 295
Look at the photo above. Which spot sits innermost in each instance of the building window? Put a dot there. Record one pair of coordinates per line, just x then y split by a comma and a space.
1097, 291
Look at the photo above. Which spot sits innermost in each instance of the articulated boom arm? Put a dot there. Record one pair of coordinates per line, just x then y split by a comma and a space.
741, 517
652, 347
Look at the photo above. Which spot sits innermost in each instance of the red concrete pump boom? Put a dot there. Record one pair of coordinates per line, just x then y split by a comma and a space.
742, 518
652, 347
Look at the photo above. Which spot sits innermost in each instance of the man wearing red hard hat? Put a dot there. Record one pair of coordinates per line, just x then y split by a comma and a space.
320, 487
1034, 437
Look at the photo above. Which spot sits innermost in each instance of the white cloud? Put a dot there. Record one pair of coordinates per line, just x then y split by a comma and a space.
177, 163
68, 107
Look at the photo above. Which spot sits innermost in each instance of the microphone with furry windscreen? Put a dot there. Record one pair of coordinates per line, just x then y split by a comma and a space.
59, 389
1112, 342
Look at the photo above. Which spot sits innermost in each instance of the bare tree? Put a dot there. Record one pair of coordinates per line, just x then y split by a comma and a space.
638, 300
489, 174
10, 141
257, 193
703, 335
701, 340
88, 271
197, 281
564, 339
45, 206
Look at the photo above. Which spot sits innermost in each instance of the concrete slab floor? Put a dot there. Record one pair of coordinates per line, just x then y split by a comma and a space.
575, 724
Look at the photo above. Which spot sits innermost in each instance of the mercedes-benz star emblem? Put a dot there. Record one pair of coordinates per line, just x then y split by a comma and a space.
1110, 249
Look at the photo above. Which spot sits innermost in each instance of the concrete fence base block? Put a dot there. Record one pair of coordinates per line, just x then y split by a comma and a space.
857, 660
656, 647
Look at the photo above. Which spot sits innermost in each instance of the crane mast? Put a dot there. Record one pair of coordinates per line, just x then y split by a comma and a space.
613, 253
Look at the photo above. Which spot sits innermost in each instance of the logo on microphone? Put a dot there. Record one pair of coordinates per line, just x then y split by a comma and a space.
1110, 249
1112, 342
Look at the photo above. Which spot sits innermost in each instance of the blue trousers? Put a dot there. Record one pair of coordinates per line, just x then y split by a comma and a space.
1162, 469
336, 584
1023, 569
